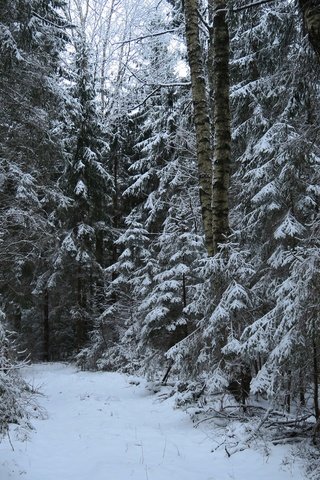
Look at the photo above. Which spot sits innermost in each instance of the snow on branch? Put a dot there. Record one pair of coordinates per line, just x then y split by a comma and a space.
243, 7
251, 5
150, 35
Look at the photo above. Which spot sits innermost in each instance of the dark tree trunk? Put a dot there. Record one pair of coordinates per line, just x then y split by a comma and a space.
222, 125
46, 327
81, 326
311, 17
287, 400
315, 380
315, 391
302, 390
184, 291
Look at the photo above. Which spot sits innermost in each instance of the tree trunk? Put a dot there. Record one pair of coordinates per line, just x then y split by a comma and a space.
46, 327
315, 390
302, 390
213, 177
311, 18
184, 291
201, 117
315, 380
81, 326
104, 58
222, 125
287, 399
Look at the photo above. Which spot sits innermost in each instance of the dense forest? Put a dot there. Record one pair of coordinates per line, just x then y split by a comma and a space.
159, 193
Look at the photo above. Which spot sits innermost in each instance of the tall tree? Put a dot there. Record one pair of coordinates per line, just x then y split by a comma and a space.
32, 39
201, 116
84, 223
221, 123
249, 323
276, 146
213, 128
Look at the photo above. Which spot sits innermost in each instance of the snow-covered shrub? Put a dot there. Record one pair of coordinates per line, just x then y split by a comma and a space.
13, 389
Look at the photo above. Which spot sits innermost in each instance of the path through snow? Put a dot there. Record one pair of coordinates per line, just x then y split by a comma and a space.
100, 427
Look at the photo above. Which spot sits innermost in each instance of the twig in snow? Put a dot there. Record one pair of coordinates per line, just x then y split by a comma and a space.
10, 441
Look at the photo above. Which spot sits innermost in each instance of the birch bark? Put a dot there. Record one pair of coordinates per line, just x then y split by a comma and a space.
201, 116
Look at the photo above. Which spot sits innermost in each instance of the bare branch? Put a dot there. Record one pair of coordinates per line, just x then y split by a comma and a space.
145, 100
251, 5
158, 87
156, 34
244, 7
154, 84
66, 25
172, 84
205, 23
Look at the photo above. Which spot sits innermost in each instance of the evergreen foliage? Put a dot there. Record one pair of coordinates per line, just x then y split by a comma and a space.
84, 222
32, 39
102, 241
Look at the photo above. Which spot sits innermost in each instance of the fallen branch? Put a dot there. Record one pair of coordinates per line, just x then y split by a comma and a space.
286, 440
288, 423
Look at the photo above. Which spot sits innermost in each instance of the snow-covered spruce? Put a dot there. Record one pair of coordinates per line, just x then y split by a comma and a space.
14, 391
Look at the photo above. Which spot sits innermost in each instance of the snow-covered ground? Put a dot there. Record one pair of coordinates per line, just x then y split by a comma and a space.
98, 426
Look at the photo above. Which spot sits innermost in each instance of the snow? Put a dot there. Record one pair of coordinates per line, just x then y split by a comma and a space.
81, 189
290, 227
103, 426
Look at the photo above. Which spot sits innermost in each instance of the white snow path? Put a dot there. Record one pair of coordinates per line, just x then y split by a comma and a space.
100, 427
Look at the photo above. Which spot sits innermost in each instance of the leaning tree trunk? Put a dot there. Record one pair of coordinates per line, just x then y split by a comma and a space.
311, 17
201, 116
221, 125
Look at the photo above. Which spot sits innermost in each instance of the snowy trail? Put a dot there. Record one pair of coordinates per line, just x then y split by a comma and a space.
100, 427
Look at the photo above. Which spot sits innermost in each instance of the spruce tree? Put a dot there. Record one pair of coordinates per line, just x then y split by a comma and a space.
33, 35
84, 222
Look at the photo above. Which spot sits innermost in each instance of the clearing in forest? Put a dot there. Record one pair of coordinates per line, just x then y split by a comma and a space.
99, 426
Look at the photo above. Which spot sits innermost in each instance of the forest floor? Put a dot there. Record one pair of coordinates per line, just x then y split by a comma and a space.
106, 426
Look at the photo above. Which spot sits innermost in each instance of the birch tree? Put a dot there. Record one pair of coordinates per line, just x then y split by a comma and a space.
202, 121
213, 131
